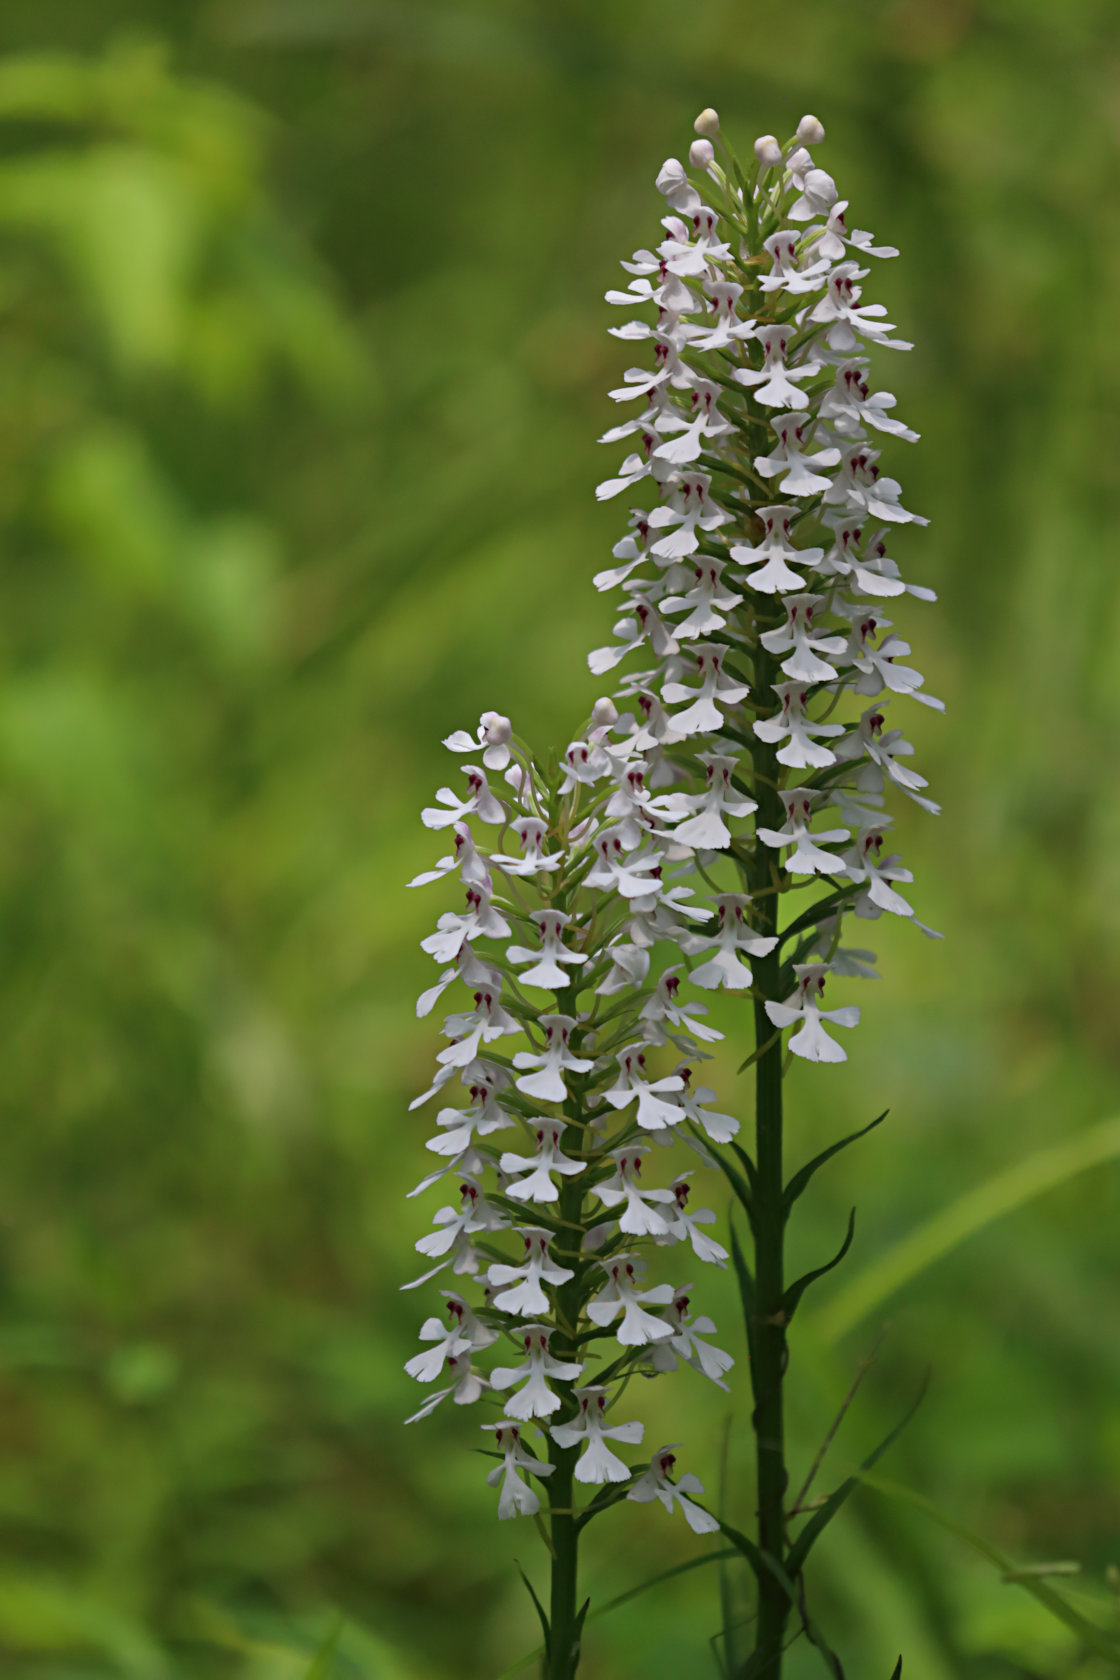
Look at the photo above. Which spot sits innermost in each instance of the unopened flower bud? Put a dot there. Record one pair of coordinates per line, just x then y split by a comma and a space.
498, 729
707, 123
810, 131
701, 153
767, 151
603, 712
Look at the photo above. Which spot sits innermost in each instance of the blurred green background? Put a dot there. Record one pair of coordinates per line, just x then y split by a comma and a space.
302, 361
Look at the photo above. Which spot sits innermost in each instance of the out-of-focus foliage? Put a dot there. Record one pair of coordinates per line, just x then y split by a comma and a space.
302, 357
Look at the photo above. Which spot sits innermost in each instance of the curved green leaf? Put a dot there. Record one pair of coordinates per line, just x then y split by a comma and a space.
989, 1201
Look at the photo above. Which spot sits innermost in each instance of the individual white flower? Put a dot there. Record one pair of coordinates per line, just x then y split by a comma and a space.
468, 968
877, 665
522, 1289
479, 802
802, 751
685, 1343
621, 869
802, 643
789, 272
852, 404
704, 715
858, 488
833, 239
535, 1399
426, 1366
623, 1294
654, 1111
866, 865
479, 920
663, 1007
707, 602
473, 1214
721, 1128
483, 1115
811, 1041
471, 864
640, 1217
466, 1386
472, 1028
794, 460
629, 968
808, 856
696, 434
816, 186
531, 831
655, 1484
733, 934
683, 1225
775, 556
548, 1085
729, 329
774, 384
839, 310
674, 183
550, 1158
688, 511
546, 970
516, 1498
598, 1464
871, 571
883, 750
494, 733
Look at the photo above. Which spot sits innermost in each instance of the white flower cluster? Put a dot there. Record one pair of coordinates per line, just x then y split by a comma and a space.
568, 888
755, 586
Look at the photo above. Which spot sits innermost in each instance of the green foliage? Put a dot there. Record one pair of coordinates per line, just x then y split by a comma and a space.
302, 357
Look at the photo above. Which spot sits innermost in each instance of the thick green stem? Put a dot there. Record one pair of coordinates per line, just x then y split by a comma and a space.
563, 1654
562, 1659
769, 1350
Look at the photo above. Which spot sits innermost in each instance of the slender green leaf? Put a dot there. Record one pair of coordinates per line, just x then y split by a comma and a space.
799, 1551
1102, 1640
323, 1665
800, 1180
978, 1208
537, 1605
615, 1603
793, 1294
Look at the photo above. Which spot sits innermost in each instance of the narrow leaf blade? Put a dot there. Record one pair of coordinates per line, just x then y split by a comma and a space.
817, 1524
800, 1180
793, 1294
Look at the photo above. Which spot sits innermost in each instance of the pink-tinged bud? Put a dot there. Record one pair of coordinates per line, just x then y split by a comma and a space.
707, 123
603, 713
810, 131
701, 154
767, 151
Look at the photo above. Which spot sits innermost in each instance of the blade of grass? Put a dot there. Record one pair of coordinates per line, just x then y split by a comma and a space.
976, 1209
1096, 1638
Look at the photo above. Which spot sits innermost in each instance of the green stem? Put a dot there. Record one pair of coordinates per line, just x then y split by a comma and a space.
770, 1352
562, 1658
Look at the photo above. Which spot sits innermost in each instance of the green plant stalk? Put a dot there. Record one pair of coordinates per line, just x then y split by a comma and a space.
769, 1349
562, 1657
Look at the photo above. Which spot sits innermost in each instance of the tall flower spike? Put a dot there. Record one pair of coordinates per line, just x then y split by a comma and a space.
756, 532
